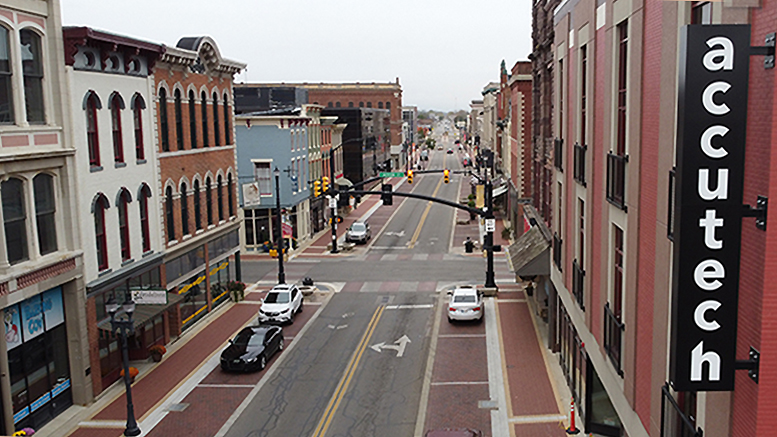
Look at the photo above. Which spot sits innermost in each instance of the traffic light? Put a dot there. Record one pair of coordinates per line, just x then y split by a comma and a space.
325, 184
386, 196
410, 176
446, 175
316, 188
338, 219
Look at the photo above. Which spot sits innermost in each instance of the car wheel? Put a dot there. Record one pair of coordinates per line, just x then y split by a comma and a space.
299, 310
280, 344
450, 320
262, 362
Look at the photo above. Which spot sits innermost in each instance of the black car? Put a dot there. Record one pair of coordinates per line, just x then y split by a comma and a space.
252, 348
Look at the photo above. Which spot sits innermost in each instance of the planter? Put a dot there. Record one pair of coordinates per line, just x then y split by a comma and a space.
156, 357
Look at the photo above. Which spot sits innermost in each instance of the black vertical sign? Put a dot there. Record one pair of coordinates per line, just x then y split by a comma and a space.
711, 122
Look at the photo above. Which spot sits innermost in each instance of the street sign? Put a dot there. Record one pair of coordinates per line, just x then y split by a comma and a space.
490, 225
391, 174
332, 202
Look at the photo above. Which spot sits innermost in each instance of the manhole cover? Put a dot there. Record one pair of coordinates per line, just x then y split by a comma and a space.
177, 407
383, 300
487, 405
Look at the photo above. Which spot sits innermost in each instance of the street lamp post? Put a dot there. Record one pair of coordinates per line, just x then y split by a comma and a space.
279, 232
124, 327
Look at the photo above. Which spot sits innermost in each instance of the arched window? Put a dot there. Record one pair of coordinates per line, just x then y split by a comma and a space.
92, 135
45, 208
178, 120
6, 82
100, 205
15, 220
329, 105
209, 201
169, 214
216, 133
350, 104
227, 130
163, 120
230, 196
124, 235
361, 104
192, 121
184, 210
145, 194
388, 105
204, 106
137, 118
369, 104
32, 68
118, 147
337, 104
380, 105
220, 197
197, 214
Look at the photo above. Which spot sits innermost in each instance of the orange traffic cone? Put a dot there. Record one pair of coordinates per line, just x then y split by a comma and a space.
572, 429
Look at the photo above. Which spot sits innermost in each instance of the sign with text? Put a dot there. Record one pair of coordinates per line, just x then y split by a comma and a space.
149, 297
711, 122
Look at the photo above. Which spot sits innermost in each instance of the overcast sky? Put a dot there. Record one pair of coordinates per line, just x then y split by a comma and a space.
443, 51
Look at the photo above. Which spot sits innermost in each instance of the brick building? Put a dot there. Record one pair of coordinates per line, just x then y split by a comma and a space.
517, 137
615, 70
198, 177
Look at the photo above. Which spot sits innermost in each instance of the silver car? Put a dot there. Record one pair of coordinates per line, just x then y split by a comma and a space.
466, 304
359, 232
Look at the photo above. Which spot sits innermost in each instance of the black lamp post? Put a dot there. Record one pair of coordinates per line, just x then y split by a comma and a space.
279, 231
124, 327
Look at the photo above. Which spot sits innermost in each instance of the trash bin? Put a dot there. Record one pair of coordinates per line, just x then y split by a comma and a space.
469, 245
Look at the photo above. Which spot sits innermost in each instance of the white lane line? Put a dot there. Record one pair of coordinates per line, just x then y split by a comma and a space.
511, 301
547, 418
496, 387
460, 383
103, 424
462, 335
409, 307
225, 386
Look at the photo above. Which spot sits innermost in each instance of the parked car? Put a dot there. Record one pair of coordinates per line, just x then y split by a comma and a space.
454, 432
251, 348
358, 232
281, 304
439, 147
425, 155
466, 304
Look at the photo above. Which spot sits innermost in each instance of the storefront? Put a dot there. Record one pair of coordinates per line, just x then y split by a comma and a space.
36, 340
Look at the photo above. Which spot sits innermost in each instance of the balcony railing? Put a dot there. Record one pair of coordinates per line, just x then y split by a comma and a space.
579, 170
578, 275
558, 153
613, 332
557, 251
616, 179
674, 422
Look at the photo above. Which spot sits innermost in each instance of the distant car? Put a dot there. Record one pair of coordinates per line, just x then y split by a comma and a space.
466, 304
425, 155
453, 432
450, 151
439, 147
251, 348
281, 304
359, 232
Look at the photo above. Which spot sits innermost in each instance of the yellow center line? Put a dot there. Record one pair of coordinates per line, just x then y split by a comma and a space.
342, 386
423, 217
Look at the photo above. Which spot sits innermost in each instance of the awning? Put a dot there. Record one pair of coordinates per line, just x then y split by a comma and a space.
530, 254
144, 313
498, 191
343, 181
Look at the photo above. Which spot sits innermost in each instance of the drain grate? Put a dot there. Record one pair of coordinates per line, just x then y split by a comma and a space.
177, 407
384, 300
487, 405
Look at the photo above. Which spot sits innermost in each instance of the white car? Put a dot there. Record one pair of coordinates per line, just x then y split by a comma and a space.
281, 304
466, 304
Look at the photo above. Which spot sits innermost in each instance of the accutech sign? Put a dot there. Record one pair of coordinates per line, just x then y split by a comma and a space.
712, 116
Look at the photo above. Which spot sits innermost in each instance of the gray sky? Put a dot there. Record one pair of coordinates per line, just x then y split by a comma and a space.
443, 51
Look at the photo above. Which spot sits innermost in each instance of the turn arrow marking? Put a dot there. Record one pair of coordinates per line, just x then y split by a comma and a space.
399, 346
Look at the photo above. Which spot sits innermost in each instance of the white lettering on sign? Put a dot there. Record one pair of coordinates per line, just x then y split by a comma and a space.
720, 192
708, 98
709, 269
726, 54
706, 141
709, 223
699, 357
699, 315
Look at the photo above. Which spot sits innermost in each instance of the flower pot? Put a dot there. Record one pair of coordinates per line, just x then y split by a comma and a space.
156, 357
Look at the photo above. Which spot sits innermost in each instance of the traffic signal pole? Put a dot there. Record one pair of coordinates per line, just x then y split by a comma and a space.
332, 197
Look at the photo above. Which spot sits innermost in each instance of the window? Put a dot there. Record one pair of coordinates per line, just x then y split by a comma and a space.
581, 238
6, 81
137, 120
216, 133
184, 210
169, 214
617, 282
14, 220
45, 207
361, 104
163, 120
204, 107
350, 104
561, 96
124, 235
380, 105
209, 201
369, 104
671, 206
220, 197
623, 42
388, 105
329, 105
196, 194
92, 135
145, 194
118, 147
192, 121
337, 104
100, 205
178, 120
263, 177
32, 68
227, 136
583, 86
230, 196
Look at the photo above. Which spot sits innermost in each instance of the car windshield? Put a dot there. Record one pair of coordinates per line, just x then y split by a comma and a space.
248, 338
464, 299
277, 297
358, 227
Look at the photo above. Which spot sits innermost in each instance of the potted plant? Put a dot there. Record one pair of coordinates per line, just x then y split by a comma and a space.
236, 290
157, 351
133, 372
506, 232
25, 431
471, 204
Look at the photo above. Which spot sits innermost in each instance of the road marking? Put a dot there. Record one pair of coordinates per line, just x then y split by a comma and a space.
511, 301
423, 217
103, 424
462, 335
546, 418
460, 383
423, 404
225, 385
350, 369
400, 347
408, 307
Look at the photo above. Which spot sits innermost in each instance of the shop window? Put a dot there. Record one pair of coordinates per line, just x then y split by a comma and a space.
249, 226
124, 234
230, 196
137, 120
601, 418
184, 210
204, 108
164, 132
116, 105
192, 121
194, 304
145, 194
197, 214
6, 80
220, 197
169, 214
32, 68
92, 132
209, 201
100, 205
227, 118
178, 119
216, 132
45, 209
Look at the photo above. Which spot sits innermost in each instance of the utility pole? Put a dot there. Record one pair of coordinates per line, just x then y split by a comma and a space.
279, 231
332, 197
